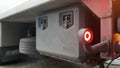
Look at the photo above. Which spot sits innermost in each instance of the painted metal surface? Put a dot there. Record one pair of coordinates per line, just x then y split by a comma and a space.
99, 7
103, 9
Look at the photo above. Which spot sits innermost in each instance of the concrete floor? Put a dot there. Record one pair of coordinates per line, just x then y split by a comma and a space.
41, 62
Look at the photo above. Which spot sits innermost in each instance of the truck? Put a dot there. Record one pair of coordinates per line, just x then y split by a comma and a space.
79, 31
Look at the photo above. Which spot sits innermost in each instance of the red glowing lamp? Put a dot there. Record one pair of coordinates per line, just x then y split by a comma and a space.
85, 35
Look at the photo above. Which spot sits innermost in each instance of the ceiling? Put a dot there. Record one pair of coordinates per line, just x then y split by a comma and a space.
28, 11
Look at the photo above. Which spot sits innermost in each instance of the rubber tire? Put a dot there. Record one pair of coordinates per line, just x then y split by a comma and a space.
27, 45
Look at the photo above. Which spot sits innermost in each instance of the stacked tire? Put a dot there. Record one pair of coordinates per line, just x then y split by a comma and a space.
27, 46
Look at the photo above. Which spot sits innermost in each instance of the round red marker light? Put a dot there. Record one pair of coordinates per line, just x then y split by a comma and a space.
88, 36
85, 35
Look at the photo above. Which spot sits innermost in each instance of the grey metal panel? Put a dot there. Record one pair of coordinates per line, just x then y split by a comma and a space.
58, 41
